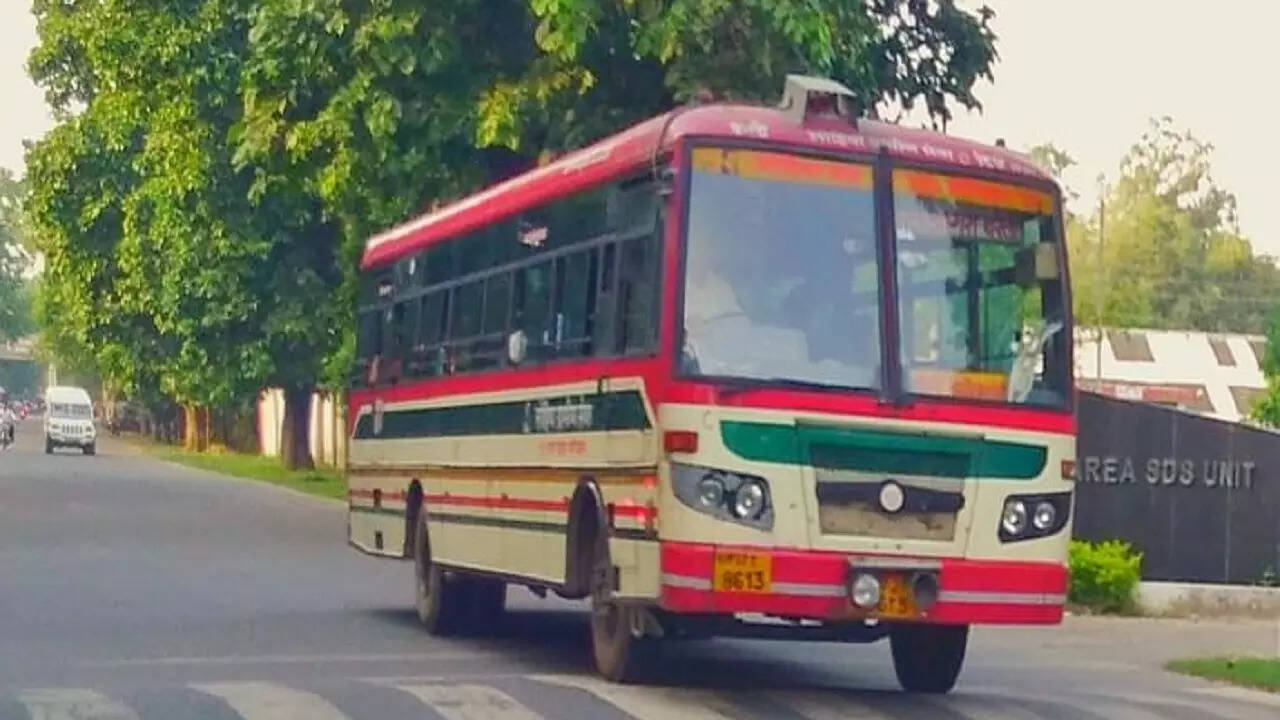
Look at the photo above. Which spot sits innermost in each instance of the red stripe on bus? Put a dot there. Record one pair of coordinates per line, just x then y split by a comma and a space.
868, 405
500, 503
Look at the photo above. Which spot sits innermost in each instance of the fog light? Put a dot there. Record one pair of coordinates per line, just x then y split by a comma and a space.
865, 591
924, 586
748, 501
1044, 515
710, 491
1014, 518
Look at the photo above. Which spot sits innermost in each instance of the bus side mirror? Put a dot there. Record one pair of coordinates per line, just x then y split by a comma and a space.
517, 347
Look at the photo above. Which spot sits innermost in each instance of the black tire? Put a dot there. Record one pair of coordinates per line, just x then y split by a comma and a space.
620, 656
91, 449
48, 446
928, 658
486, 600
439, 596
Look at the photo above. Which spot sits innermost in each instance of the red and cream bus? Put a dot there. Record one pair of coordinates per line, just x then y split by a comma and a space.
774, 372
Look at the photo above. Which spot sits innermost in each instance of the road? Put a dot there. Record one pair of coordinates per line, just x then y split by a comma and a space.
132, 589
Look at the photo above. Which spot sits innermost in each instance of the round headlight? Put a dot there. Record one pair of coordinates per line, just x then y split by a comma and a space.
1014, 518
865, 591
748, 501
1044, 516
710, 491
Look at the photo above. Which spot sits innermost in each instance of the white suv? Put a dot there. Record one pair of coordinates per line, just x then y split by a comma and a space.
68, 420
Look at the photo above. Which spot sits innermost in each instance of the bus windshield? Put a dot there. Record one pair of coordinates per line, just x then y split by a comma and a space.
981, 296
780, 270
781, 279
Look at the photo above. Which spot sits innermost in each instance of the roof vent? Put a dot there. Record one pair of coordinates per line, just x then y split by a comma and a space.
805, 96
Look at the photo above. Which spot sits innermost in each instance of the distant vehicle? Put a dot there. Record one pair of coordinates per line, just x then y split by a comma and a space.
68, 420
733, 362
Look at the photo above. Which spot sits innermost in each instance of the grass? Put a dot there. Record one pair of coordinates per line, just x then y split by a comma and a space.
1259, 673
320, 482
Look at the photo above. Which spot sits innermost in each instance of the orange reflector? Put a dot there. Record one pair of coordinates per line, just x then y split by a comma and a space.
1068, 469
683, 441
650, 482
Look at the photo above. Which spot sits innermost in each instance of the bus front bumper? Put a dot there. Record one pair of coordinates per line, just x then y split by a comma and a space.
815, 585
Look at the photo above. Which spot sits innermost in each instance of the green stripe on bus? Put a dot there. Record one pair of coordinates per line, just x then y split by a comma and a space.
621, 410
883, 451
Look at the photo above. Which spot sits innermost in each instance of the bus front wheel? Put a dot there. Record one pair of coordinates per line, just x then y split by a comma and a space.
928, 658
621, 654
438, 597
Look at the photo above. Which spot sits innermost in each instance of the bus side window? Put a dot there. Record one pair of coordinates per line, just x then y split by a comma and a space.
431, 334
575, 304
638, 294
604, 325
464, 326
368, 341
531, 308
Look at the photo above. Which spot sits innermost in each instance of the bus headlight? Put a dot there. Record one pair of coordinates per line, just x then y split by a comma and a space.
864, 591
710, 491
1014, 519
1026, 517
748, 501
1044, 515
724, 495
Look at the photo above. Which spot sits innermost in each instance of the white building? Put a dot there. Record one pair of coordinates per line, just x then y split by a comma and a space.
1214, 374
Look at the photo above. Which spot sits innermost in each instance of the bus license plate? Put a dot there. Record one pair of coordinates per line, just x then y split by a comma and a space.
743, 572
895, 598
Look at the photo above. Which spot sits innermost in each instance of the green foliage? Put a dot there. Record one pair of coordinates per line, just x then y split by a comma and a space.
15, 260
1266, 410
1104, 575
1260, 673
203, 202
1172, 255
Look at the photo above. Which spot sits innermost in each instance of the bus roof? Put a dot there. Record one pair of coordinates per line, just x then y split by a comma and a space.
634, 147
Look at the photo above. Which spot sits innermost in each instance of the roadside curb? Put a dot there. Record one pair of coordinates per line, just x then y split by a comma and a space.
1175, 599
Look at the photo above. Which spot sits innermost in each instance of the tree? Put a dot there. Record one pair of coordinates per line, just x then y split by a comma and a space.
1267, 408
218, 163
1173, 255
15, 260
358, 115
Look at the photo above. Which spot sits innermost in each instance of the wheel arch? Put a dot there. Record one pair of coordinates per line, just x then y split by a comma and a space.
587, 520
414, 505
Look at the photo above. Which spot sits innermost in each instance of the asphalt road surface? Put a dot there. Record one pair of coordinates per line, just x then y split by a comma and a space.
133, 589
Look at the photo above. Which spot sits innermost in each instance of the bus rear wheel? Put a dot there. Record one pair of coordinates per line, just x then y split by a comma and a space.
620, 653
928, 658
438, 597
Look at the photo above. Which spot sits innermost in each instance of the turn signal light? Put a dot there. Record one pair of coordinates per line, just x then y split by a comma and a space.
682, 441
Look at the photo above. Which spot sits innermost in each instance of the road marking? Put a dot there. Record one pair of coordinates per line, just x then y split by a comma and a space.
288, 659
470, 702
819, 705
72, 704
651, 703
269, 701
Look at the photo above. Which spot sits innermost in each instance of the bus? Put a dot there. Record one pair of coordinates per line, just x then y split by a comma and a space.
778, 372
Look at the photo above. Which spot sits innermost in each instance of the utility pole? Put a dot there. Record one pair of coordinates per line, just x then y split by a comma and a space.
1102, 279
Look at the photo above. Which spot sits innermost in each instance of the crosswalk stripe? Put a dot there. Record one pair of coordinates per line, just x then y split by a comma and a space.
269, 701
72, 704
470, 702
651, 703
818, 705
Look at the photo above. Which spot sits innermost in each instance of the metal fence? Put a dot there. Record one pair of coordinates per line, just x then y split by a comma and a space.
1200, 497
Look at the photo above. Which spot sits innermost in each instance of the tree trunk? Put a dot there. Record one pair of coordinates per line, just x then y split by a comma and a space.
295, 448
190, 429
